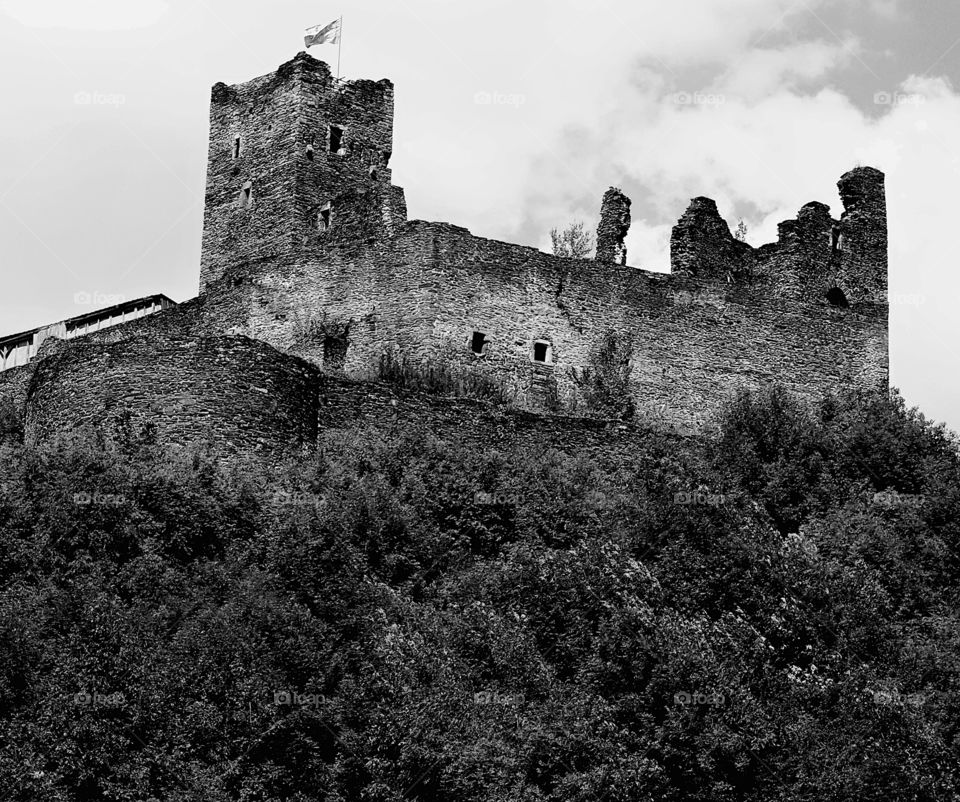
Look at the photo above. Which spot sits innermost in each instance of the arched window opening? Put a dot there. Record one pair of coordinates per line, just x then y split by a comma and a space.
836, 297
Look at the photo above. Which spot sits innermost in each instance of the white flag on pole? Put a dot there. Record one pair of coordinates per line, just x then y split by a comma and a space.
323, 34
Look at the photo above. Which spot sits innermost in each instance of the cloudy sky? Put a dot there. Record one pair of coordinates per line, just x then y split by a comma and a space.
512, 117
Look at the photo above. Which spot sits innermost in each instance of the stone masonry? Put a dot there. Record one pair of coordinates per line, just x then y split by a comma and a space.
310, 267
614, 225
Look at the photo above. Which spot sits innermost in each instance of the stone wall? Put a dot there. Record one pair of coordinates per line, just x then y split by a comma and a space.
320, 262
364, 406
14, 384
424, 294
238, 395
244, 399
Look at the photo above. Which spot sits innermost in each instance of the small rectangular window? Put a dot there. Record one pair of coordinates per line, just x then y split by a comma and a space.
541, 351
336, 138
477, 342
334, 352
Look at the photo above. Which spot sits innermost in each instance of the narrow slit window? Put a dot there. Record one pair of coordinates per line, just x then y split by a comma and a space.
836, 240
246, 195
237, 146
324, 218
336, 138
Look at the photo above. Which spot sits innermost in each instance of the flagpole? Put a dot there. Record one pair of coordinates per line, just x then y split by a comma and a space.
339, 48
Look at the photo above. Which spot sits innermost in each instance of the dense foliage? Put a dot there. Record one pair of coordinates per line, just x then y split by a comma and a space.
771, 614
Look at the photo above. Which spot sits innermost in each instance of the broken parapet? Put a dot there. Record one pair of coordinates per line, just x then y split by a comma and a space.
863, 226
701, 244
613, 228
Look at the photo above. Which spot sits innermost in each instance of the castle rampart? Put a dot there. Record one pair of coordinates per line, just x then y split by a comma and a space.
319, 262
239, 395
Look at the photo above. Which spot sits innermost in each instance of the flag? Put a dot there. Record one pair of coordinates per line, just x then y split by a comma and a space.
323, 35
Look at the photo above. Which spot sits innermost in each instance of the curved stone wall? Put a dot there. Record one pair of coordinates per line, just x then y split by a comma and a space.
240, 395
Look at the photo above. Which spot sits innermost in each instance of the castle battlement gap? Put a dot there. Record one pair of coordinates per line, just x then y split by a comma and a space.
308, 251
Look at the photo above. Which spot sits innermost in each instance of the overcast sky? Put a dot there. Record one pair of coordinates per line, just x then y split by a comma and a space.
511, 117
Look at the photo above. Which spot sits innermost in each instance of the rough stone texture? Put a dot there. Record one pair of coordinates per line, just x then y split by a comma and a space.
244, 399
14, 383
701, 244
365, 406
613, 228
284, 124
863, 226
239, 395
373, 283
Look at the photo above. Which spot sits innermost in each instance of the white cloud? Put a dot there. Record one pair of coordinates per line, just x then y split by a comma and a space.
758, 73
86, 15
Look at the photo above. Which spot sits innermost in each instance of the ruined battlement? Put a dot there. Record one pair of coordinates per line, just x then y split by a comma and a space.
311, 272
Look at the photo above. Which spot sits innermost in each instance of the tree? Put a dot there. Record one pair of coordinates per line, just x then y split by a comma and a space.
605, 382
574, 242
741, 232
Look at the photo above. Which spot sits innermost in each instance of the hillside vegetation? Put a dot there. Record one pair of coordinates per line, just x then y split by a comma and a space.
769, 614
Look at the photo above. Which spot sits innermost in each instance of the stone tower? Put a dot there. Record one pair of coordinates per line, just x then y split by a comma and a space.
297, 158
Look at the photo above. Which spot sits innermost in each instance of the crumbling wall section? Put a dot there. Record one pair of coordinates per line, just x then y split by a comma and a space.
863, 229
701, 245
613, 228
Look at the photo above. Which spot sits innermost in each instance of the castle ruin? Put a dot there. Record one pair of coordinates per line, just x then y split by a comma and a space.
312, 278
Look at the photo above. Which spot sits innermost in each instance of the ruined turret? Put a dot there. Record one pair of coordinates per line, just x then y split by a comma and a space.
613, 228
